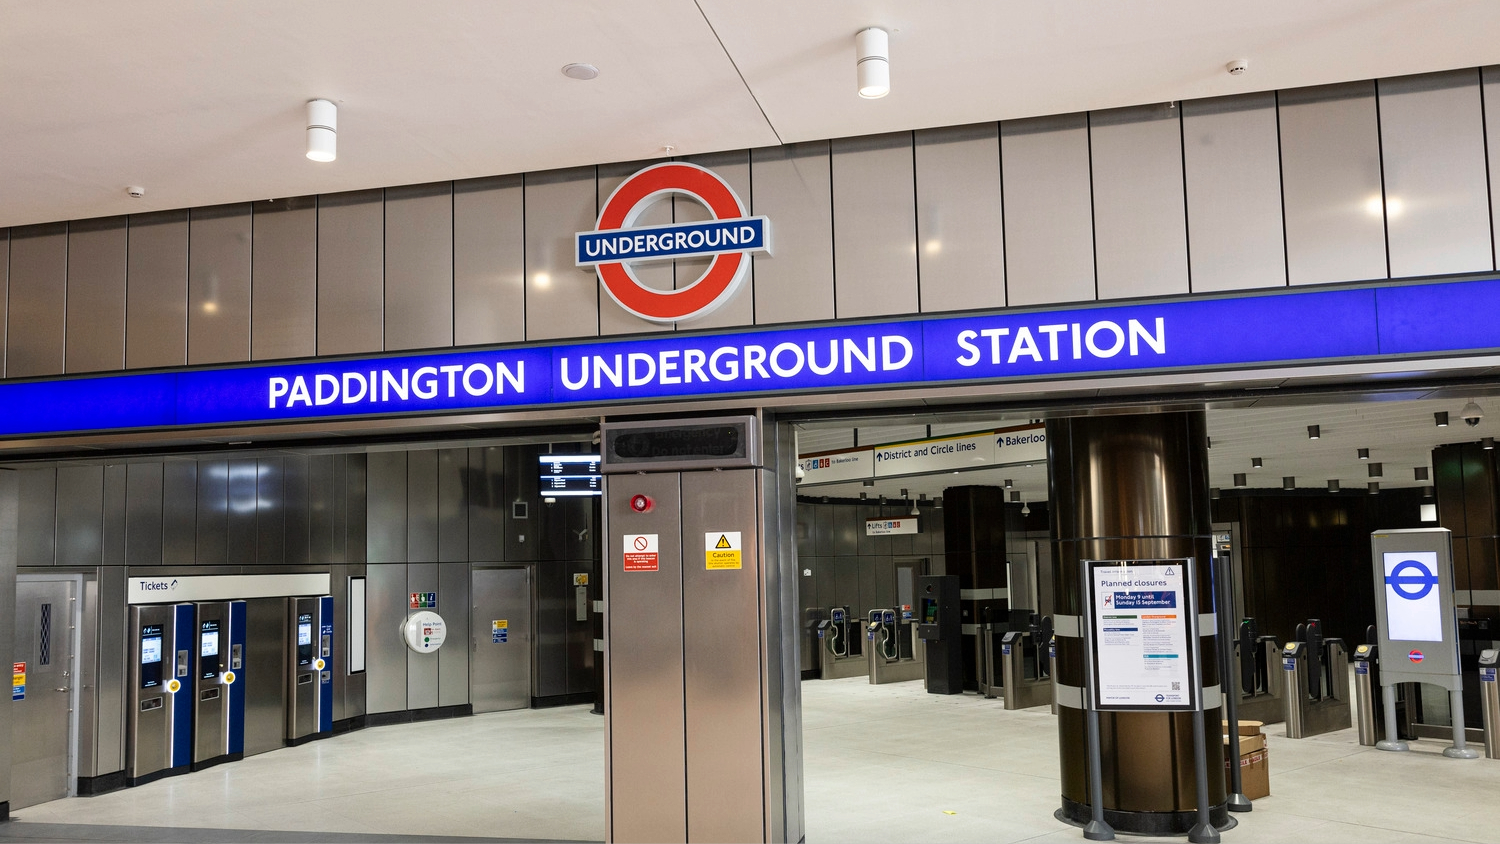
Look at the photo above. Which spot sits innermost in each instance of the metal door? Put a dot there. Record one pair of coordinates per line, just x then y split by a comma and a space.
500, 635
264, 674
44, 695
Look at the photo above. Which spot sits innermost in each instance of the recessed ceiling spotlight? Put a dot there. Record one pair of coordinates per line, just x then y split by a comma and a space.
1488, 443
1314, 432
1256, 462
1213, 492
1333, 485
1441, 417
1289, 482
322, 130
1239, 478
1364, 454
1374, 487
1008, 483
1210, 441
1420, 473
1377, 470
580, 71
872, 51
1015, 496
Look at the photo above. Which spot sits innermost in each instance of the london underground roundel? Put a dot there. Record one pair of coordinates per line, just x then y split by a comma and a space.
617, 242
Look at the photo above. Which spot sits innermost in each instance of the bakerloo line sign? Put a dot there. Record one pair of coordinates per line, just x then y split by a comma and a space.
1292, 327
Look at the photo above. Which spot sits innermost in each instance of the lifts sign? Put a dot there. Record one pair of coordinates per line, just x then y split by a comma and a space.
617, 242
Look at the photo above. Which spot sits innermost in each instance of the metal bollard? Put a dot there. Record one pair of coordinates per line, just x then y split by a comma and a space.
1489, 701
1012, 666
1052, 669
987, 657
1293, 691
1364, 695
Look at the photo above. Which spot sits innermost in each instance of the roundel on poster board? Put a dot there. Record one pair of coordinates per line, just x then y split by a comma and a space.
617, 242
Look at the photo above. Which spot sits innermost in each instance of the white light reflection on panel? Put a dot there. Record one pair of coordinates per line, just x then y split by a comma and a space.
356, 625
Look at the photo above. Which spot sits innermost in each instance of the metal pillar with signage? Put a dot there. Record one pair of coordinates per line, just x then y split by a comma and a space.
1417, 624
702, 693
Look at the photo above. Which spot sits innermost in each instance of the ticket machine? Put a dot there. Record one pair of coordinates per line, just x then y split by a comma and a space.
219, 684
309, 711
941, 628
160, 715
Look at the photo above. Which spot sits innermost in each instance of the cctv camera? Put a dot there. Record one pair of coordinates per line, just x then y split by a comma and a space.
1471, 414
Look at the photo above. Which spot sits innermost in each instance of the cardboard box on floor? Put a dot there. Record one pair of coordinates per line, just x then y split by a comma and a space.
1254, 760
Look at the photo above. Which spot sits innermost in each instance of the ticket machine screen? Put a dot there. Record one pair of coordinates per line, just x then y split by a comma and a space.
208, 651
304, 638
150, 656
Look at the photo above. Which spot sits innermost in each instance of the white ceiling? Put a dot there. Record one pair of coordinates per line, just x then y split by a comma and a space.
202, 103
1400, 435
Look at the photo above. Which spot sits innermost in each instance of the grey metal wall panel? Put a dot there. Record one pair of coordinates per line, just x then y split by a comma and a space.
338, 587
960, 227
351, 272
114, 515
96, 295
422, 506
1436, 188
354, 684
874, 226
1140, 216
794, 189
284, 279
453, 663
1049, 236
485, 495
179, 513
522, 535
80, 515
387, 506
385, 655
213, 512
452, 516
1330, 168
270, 512
243, 501
298, 519
562, 300
156, 290
356, 524
1490, 90
320, 507
551, 600
657, 275
734, 168
489, 261
37, 300
4, 293
422, 669
143, 514
419, 266
340, 509
111, 677
219, 284
1229, 152
36, 530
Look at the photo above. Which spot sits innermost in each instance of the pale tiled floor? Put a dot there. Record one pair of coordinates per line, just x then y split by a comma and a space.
883, 763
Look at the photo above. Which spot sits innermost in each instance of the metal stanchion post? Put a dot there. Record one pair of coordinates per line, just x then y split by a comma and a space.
1098, 829
1489, 701
1460, 748
1228, 683
1204, 832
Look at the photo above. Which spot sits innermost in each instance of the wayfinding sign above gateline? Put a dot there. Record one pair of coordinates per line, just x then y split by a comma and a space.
1299, 327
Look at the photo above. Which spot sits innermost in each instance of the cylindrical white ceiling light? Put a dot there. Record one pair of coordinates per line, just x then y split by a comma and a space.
322, 130
872, 49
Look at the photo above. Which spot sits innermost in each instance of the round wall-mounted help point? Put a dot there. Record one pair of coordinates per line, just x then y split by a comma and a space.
424, 632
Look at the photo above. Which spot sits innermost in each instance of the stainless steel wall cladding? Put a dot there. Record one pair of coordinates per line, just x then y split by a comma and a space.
874, 204
562, 300
734, 168
961, 261
1049, 242
793, 187
218, 313
80, 515
1140, 217
38, 290
1131, 488
284, 279
4, 300
489, 261
96, 295
660, 275
351, 273
419, 266
156, 289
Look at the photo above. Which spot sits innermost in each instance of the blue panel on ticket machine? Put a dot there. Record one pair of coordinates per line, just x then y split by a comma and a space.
1417, 624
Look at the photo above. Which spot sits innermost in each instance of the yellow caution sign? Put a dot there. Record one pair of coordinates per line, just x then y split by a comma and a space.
722, 550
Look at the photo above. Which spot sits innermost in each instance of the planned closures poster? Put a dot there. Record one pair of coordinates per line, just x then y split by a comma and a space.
1141, 660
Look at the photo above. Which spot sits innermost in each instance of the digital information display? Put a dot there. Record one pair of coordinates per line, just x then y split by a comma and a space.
1413, 602
210, 639
304, 633
1312, 326
304, 639
151, 636
1141, 631
570, 475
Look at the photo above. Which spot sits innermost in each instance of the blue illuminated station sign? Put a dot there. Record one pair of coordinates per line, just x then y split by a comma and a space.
1397, 321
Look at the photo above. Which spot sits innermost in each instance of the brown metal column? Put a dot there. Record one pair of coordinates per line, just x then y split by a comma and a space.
1132, 488
974, 549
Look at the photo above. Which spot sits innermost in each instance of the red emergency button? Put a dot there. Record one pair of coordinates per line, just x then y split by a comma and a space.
641, 503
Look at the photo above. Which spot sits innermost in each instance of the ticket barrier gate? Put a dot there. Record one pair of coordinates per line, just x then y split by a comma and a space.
1259, 677
890, 648
1316, 694
1489, 702
158, 736
843, 651
1052, 669
1365, 682
309, 712
1026, 668
219, 684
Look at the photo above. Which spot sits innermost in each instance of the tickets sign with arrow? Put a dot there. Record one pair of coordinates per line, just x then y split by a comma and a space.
722, 550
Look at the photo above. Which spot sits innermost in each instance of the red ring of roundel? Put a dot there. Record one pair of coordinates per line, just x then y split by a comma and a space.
688, 301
